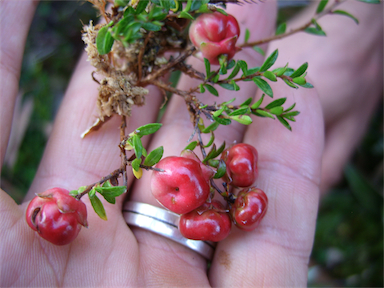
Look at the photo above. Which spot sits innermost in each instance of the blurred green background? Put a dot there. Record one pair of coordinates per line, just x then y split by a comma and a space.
348, 249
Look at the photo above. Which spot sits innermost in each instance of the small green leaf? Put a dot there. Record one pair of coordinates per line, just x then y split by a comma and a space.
370, 1
111, 192
258, 102
221, 169
235, 70
186, 15
213, 163
281, 28
231, 64
269, 61
211, 90
270, 75
219, 112
321, 6
314, 31
136, 164
190, 146
240, 111
299, 80
246, 102
290, 108
211, 127
221, 11
242, 119
147, 129
263, 85
154, 156
300, 71
207, 67
259, 50
104, 41
243, 66
97, 206
222, 121
341, 12
202, 89
247, 34
307, 85
151, 26
210, 142
275, 103
137, 145
291, 114
263, 113
276, 110
289, 83
229, 86
284, 122
252, 71
141, 6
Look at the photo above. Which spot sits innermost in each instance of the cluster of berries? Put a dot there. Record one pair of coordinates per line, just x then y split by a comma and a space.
183, 185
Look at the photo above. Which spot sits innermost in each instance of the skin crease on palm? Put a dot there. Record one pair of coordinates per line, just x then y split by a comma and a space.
108, 253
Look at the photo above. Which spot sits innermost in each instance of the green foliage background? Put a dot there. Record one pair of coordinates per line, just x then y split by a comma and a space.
348, 249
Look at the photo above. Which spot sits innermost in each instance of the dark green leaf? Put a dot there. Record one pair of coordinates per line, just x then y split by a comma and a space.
222, 11
211, 89
154, 156
252, 71
321, 6
269, 61
196, 5
111, 192
202, 89
234, 71
314, 31
291, 114
284, 122
141, 6
222, 121
185, 15
136, 164
207, 67
104, 41
231, 64
263, 113
221, 169
97, 206
341, 12
151, 27
275, 103
259, 50
300, 71
270, 75
228, 86
281, 28
211, 127
290, 108
370, 1
191, 146
166, 4
243, 66
240, 111
247, 34
147, 129
213, 163
263, 85
307, 85
137, 145
247, 102
210, 142
121, 3
258, 102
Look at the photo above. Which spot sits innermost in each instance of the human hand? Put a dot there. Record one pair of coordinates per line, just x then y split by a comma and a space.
111, 254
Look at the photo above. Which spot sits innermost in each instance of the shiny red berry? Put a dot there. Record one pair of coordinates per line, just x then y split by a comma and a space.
208, 222
56, 216
249, 208
182, 185
241, 161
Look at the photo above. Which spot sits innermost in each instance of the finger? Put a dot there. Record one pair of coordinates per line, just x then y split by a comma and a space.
277, 252
13, 36
176, 130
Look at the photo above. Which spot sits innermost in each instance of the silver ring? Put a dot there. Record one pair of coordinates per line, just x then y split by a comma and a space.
164, 223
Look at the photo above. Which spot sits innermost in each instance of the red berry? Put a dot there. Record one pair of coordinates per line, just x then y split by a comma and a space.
183, 185
249, 208
241, 162
209, 222
214, 34
56, 216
